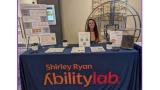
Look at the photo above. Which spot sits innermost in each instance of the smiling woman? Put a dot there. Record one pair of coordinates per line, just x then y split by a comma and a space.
92, 28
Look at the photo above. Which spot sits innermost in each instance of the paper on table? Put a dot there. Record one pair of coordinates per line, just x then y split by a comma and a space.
78, 50
97, 49
50, 50
36, 31
138, 43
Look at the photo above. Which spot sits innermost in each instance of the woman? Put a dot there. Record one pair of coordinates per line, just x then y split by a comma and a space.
92, 28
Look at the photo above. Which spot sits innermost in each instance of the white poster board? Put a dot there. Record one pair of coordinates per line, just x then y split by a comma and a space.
97, 49
33, 39
35, 20
84, 39
116, 38
48, 39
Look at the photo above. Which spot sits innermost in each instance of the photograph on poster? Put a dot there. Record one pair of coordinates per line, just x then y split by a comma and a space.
25, 13
45, 30
36, 31
44, 19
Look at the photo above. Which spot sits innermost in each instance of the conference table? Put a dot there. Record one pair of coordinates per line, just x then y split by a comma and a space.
109, 70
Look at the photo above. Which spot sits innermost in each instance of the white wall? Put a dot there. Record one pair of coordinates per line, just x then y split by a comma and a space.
74, 15
137, 5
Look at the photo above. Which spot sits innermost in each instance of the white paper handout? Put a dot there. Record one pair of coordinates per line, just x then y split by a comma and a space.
97, 49
138, 43
116, 38
35, 19
33, 39
78, 50
48, 39
84, 39
50, 50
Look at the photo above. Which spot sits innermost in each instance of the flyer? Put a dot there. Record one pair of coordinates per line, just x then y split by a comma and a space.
116, 38
84, 39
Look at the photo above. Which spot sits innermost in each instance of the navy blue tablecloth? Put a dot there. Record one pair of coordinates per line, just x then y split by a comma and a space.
139, 49
123, 63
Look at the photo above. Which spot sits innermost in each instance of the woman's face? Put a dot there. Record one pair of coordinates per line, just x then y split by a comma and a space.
91, 24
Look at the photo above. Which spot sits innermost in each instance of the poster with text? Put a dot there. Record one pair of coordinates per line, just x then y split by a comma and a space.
84, 39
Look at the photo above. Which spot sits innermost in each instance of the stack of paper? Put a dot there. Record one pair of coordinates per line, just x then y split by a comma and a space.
78, 50
97, 49
50, 50
138, 43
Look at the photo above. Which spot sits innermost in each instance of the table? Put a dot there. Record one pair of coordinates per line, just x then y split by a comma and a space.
138, 47
110, 70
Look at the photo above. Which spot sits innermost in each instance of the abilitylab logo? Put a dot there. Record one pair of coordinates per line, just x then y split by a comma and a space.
72, 78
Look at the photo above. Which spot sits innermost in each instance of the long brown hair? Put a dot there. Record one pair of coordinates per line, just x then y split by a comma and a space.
95, 28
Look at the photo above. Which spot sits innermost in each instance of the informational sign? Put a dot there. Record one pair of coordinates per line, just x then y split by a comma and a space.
48, 39
33, 39
51, 15
78, 50
116, 38
97, 49
35, 20
84, 39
